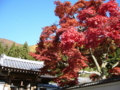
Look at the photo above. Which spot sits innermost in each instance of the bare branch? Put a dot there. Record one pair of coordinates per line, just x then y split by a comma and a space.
95, 61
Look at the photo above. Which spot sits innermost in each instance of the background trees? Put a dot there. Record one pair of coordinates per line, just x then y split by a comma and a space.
6, 50
16, 51
1, 48
88, 35
12, 50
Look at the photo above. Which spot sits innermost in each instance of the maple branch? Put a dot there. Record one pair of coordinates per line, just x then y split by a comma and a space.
104, 63
103, 66
82, 29
87, 72
95, 60
117, 63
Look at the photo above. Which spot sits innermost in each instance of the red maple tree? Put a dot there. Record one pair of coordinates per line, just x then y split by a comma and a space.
84, 37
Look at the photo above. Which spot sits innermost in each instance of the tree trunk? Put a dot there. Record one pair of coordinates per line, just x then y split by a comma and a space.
95, 61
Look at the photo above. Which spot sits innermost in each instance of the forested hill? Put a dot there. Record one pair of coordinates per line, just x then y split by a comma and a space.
5, 42
13, 49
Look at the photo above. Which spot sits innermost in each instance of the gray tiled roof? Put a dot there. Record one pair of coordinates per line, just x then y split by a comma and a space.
18, 63
49, 86
109, 80
45, 75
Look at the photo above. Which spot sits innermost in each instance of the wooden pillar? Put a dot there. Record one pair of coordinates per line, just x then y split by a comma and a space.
33, 83
26, 85
8, 83
33, 87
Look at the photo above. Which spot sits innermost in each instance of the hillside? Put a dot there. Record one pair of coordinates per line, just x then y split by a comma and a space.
5, 42
32, 48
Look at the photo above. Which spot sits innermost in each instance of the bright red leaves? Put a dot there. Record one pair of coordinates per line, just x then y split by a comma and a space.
83, 25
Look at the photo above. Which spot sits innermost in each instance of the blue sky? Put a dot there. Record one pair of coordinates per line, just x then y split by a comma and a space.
22, 20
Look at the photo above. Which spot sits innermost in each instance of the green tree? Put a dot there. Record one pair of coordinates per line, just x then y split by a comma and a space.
12, 50
6, 50
17, 52
1, 49
26, 47
24, 51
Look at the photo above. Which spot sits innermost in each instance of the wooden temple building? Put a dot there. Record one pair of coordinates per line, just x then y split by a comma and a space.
21, 74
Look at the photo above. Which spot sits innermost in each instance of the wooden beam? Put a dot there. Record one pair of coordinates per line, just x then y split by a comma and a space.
8, 83
21, 75
19, 70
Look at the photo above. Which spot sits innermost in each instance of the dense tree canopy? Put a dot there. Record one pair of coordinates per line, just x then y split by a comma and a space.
88, 35
16, 51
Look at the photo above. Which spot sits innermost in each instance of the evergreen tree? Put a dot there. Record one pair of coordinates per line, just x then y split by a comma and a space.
12, 50
25, 51
6, 49
17, 52
26, 47
30, 57
1, 49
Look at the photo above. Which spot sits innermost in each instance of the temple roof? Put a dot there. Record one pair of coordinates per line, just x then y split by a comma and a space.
18, 63
99, 82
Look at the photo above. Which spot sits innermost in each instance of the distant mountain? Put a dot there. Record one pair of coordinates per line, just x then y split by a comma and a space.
5, 42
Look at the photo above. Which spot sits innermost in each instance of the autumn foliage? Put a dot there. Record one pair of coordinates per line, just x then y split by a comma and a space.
85, 25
